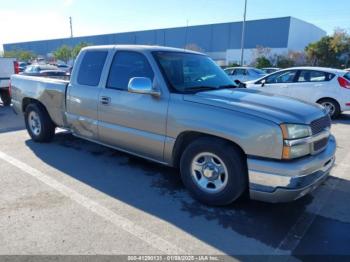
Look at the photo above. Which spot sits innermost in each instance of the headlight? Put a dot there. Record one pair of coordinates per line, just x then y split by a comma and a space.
295, 132
292, 131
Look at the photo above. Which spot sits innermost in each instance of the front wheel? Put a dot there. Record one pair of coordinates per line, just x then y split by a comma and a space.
5, 97
38, 123
214, 171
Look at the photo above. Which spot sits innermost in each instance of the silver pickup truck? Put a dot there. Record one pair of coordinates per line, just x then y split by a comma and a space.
180, 109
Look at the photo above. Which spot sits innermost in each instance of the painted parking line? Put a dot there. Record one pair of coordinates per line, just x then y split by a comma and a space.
150, 238
306, 219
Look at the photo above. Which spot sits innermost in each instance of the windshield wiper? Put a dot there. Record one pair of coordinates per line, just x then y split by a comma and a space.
200, 88
208, 88
227, 87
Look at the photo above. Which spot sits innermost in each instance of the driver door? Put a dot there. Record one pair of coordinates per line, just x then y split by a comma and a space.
128, 121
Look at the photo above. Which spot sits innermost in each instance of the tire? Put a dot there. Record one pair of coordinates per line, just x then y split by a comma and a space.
332, 106
229, 185
39, 124
5, 97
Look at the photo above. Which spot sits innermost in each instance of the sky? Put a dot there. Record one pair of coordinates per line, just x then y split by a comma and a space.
29, 20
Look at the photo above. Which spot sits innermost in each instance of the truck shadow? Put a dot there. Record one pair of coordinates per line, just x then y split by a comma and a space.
343, 119
158, 190
9, 121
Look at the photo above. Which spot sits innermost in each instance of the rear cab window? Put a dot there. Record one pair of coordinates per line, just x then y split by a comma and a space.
91, 68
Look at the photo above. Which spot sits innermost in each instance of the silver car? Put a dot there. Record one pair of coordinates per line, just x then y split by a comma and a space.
244, 74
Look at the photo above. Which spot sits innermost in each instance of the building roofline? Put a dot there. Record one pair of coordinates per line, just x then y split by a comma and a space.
157, 29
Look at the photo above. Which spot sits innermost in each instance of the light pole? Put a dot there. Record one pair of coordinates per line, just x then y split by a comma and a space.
243, 32
71, 26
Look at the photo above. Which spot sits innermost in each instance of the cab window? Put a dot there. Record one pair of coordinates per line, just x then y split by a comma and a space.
127, 65
91, 68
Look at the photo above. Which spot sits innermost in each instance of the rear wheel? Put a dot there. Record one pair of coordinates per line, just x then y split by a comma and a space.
38, 123
213, 171
5, 97
332, 107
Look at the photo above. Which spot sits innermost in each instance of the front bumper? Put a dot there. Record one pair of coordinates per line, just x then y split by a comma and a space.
278, 181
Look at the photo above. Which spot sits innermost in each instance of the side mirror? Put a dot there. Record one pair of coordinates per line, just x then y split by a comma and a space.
142, 85
237, 82
263, 83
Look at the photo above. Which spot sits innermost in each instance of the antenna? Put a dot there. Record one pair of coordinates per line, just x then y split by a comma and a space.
71, 26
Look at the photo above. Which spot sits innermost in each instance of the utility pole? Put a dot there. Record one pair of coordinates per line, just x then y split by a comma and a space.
71, 26
186, 34
243, 32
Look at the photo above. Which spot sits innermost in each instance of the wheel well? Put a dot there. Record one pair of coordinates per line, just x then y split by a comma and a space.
27, 101
327, 98
186, 138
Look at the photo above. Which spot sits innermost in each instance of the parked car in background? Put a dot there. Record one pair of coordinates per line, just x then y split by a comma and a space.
178, 107
46, 71
244, 74
270, 70
325, 86
8, 67
22, 66
64, 67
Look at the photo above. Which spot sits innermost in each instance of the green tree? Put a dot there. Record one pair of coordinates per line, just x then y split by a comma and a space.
20, 55
284, 62
262, 62
232, 64
76, 50
330, 51
63, 53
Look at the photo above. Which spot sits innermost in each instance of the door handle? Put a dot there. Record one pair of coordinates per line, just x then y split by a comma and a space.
105, 100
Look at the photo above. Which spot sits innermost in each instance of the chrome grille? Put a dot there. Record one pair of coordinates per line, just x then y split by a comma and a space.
320, 145
320, 125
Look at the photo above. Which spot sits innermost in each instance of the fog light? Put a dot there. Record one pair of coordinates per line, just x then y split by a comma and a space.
291, 152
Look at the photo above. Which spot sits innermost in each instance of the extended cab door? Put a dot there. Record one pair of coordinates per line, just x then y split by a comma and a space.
278, 83
83, 93
132, 122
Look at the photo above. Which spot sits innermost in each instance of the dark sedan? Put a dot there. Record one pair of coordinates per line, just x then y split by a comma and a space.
48, 71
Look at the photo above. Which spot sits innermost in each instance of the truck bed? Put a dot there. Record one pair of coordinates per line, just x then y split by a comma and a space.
50, 92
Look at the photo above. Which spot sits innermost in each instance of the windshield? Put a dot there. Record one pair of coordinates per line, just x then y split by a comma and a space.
258, 71
188, 72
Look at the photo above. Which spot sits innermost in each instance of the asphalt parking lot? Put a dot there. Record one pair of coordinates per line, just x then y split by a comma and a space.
76, 197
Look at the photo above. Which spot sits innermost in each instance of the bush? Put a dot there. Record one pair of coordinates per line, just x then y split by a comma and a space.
284, 62
262, 62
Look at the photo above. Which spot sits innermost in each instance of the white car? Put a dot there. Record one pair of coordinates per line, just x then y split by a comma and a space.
244, 74
325, 86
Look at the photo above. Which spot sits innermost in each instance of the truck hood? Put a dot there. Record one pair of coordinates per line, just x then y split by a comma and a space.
278, 109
